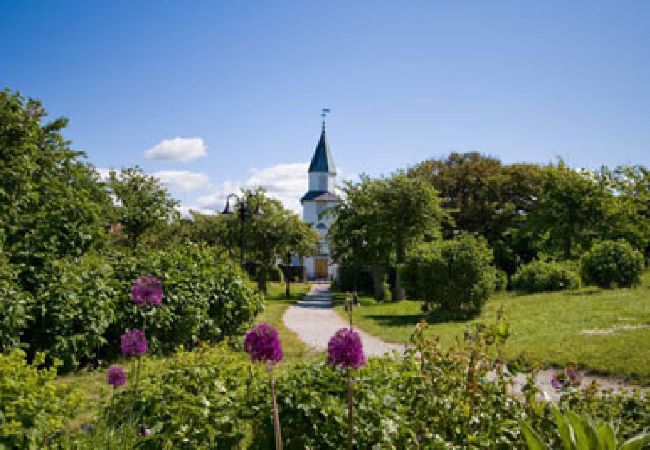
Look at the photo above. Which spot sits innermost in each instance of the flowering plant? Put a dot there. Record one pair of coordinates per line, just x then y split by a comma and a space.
263, 344
563, 379
116, 376
134, 343
147, 290
345, 349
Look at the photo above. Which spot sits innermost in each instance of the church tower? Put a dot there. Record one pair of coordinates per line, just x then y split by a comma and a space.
320, 197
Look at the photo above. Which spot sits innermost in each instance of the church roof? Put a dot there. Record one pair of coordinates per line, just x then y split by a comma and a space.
322, 160
320, 196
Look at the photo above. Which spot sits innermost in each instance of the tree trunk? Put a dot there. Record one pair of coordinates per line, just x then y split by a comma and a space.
287, 278
378, 282
567, 247
398, 290
261, 278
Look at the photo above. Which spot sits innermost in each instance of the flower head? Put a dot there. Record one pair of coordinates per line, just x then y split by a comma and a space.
116, 376
147, 290
134, 343
562, 379
345, 349
263, 344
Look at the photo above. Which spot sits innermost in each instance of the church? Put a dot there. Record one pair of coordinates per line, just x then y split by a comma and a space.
320, 197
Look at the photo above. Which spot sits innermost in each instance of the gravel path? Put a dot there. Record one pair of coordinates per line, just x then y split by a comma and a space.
314, 321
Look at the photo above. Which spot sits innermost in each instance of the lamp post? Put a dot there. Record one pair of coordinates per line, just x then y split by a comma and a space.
242, 208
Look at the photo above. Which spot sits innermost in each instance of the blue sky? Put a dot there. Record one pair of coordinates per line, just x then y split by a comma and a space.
525, 81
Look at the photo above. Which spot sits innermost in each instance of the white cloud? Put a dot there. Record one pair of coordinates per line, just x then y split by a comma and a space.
182, 180
285, 182
185, 211
178, 149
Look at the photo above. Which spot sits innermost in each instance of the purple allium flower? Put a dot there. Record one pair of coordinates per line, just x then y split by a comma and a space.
562, 379
345, 349
147, 290
134, 343
263, 344
116, 376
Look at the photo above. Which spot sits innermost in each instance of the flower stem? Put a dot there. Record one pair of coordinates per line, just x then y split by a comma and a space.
276, 413
350, 411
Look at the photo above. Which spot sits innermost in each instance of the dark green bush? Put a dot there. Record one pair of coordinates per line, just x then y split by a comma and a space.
84, 305
612, 263
457, 274
543, 276
75, 307
34, 408
15, 306
351, 278
207, 398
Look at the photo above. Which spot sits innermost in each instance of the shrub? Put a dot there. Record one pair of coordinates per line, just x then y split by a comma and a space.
501, 281
15, 306
208, 398
612, 263
351, 277
75, 307
454, 274
34, 408
542, 276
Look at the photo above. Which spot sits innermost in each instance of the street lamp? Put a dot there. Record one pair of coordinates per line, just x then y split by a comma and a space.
241, 207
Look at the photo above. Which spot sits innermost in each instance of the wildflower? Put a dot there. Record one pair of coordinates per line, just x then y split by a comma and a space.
345, 349
116, 376
134, 343
562, 379
263, 344
147, 290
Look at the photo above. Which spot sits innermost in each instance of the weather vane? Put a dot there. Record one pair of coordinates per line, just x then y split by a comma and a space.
324, 113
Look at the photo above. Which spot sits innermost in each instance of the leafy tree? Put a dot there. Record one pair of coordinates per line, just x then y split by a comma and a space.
51, 202
141, 203
272, 234
380, 219
571, 209
612, 263
486, 197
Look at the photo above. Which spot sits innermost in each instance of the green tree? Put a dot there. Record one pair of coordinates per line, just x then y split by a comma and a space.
141, 203
571, 210
51, 202
272, 234
380, 219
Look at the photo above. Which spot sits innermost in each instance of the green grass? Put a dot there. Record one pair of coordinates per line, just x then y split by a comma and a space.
545, 328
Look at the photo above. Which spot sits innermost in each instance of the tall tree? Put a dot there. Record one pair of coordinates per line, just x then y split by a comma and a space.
51, 202
571, 209
380, 218
141, 203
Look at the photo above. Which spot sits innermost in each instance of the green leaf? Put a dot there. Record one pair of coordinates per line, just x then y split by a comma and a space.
533, 440
636, 443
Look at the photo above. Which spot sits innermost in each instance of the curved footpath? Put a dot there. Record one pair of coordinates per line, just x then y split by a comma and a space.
314, 321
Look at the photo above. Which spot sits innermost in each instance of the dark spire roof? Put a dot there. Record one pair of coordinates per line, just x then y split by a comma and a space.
322, 160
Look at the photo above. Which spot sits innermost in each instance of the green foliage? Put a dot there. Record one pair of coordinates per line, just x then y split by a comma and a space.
84, 304
501, 281
208, 398
612, 263
142, 203
380, 219
579, 432
543, 276
454, 274
51, 204
33, 408
15, 306
205, 298
75, 306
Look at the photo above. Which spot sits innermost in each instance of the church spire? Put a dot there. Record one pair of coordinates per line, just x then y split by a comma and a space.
322, 160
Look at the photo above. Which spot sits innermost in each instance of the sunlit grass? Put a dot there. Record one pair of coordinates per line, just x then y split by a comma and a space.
548, 328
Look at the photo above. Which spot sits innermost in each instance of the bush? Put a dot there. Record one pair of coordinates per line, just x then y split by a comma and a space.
612, 263
501, 281
33, 407
75, 307
454, 274
208, 398
84, 305
352, 278
542, 276
15, 306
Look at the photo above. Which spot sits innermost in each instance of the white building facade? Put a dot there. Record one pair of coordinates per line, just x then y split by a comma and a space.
319, 198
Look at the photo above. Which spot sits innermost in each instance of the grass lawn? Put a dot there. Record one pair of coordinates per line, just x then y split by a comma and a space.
548, 328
